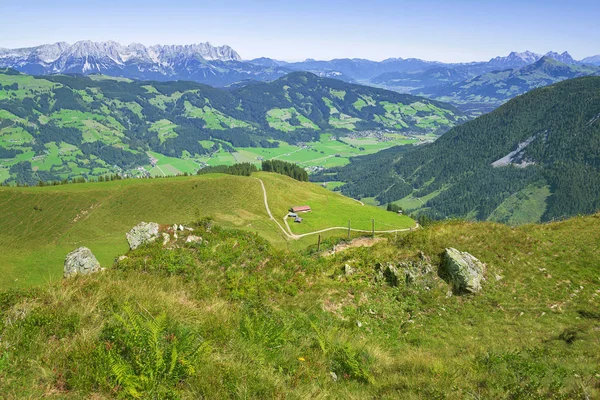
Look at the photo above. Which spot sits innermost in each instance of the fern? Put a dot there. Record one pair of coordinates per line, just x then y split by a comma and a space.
263, 328
321, 339
145, 358
344, 360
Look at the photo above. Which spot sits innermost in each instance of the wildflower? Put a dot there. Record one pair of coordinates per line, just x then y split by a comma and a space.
301, 359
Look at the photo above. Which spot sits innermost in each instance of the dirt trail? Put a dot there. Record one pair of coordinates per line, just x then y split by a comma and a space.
360, 242
292, 235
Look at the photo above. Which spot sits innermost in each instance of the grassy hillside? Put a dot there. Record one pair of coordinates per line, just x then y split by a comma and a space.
40, 225
59, 127
534, 159
235, 318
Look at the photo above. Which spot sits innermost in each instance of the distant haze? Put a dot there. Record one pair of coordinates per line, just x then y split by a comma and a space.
448, 31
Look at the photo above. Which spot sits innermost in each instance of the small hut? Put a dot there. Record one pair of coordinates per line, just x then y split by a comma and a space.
298, 209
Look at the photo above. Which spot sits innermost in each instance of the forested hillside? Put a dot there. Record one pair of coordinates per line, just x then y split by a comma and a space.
57, 127
537, 158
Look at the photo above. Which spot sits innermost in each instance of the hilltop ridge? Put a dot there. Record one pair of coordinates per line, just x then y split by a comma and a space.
42, 224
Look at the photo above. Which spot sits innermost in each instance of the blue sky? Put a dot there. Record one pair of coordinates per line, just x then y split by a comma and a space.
451, 31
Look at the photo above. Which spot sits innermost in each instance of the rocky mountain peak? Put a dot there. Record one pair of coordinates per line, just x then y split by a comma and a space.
515, 59
563, 57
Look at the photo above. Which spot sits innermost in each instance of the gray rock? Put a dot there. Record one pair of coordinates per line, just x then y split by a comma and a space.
409, 272
193, 239
414, 271
166, 238
180, 227
81, 261
463, 270
142, 233
390, 274
348, 270
334, 376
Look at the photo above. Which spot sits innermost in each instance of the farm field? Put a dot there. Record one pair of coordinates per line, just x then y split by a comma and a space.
42, 224
329, 151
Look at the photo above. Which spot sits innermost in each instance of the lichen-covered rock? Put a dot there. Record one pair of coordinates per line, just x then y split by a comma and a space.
463, 270
81, 261
166, 238
142, 233
414, 271
408, 272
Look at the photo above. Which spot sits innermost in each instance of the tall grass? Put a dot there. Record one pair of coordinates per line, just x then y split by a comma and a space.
234, 317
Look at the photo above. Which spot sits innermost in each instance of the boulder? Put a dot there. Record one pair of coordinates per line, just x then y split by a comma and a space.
81, 261
142, 233
463, 270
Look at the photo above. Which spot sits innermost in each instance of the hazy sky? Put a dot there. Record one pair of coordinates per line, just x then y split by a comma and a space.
451, 31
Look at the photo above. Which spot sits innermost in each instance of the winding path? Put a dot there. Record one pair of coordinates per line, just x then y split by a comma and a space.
288, 233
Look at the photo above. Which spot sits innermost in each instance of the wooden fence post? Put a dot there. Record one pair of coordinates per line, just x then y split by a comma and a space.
373, 226
348, 229
319, 244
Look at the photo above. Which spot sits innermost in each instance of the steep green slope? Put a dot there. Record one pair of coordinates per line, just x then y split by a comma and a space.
40, 225
60, 127
485, 92
542, 147
234, 318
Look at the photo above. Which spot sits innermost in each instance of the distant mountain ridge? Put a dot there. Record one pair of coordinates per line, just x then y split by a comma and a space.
162, 54
485, 92
202, 62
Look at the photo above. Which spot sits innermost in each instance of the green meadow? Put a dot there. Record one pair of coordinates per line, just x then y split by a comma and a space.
42, 224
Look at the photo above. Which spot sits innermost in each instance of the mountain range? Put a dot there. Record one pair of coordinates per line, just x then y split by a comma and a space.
535, 158
483, 93
217, 66
222, 66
